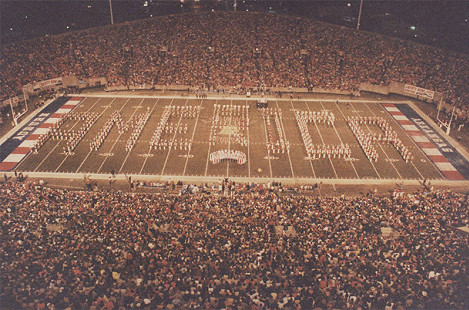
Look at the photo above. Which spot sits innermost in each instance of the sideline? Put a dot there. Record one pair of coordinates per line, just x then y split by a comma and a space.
205, 179
231, 97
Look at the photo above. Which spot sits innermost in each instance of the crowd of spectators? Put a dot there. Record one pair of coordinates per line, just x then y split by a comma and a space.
62, 249
243, 50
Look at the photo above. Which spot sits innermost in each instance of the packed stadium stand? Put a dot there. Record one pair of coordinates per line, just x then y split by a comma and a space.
113, 250
245, 50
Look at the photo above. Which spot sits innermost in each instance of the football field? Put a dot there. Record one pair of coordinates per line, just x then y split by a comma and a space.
219, 137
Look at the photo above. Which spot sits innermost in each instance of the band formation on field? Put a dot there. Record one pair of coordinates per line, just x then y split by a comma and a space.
304, 139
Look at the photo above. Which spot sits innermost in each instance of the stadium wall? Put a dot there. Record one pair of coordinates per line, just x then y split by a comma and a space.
335, 91
400, 89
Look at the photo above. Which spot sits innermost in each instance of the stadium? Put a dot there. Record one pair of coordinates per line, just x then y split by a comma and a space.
232, 160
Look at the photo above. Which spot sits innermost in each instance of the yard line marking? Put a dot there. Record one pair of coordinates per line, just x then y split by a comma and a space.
128, 153
421, 176
229, 138
89, 153
285, 135
247, 130
210, 145
377, 173
120, 134
302, 146
320, 135
380, 146
340, 139
174, 137
61, 141
266, 142
149, 148
192, 138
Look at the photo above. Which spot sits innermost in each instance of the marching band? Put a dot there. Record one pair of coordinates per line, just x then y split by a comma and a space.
330, 151
230, 116
366, 140
220, 155
164, 127
138, 125
317, 117
96, 143
281, 144
74, 137
313, 151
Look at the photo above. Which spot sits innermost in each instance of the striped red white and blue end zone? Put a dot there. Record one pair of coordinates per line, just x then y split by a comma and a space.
15, 148
426, 138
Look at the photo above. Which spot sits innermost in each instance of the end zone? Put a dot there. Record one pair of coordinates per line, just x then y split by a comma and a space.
18, 145
444, 156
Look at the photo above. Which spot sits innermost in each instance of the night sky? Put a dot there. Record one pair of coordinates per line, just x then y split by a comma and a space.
440, 23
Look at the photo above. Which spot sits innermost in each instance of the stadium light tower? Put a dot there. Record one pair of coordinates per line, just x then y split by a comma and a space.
110, 10
359, 15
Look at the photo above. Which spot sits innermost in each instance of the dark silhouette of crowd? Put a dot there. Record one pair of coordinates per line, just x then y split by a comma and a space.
242, 50
63, 249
